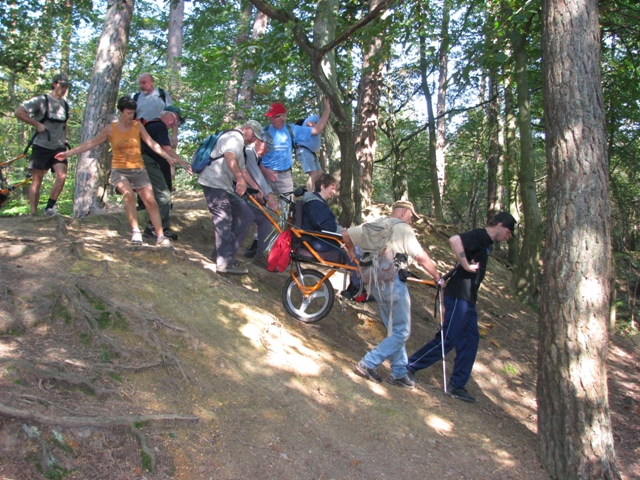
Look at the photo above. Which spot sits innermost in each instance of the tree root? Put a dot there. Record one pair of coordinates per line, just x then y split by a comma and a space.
148, 455
86, 421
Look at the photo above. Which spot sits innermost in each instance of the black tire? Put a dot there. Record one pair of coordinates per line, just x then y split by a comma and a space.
316, 306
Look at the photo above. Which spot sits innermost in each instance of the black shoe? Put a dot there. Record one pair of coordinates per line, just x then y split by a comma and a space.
460, 393
350, 292
367, 372
150, 232
412, 376
170, 234
251, 251
404, 382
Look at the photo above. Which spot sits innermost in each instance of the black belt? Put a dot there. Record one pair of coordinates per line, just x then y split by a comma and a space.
282, 171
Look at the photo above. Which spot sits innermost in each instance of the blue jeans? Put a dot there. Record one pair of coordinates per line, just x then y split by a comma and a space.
460, 332
393, 347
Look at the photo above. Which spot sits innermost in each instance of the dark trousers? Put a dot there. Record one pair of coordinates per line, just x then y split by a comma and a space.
460, 332
161, 190
231, 219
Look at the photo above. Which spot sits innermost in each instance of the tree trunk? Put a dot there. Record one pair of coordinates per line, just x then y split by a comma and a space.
245, 95
101, 97
574, 422
367, 117
441, 121
510, 170
174, 46
526, 279
65, 36
231, 95
433, 165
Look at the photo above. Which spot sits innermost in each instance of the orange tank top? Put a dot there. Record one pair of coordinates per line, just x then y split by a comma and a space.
126, 147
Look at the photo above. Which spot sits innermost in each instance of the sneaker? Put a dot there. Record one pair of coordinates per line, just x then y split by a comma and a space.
404, 382
251, 251
350, 292
150, 232
460, 393
233, 268
170, 234
260, 260
136, 238
50, 212
367, 372
163, 242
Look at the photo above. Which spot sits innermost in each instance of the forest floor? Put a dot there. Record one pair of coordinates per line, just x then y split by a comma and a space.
122, 362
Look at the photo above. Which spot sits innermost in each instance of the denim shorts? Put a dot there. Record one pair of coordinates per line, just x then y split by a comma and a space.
308, 160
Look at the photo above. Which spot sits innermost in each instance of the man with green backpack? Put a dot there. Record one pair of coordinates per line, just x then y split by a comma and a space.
386, 244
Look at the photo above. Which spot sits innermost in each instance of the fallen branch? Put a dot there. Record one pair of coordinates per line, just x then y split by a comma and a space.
100, 422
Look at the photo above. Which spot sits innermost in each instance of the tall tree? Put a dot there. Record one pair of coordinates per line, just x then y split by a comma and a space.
101, 98
174, 46
574, 422
441, 106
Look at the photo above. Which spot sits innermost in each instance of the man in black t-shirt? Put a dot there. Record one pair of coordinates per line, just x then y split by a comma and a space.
156, 167
460, 328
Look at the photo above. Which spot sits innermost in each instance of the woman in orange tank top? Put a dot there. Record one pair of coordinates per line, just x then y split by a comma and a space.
127, 168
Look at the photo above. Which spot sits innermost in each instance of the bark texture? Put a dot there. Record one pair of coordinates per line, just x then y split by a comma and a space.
573, 411
101, 98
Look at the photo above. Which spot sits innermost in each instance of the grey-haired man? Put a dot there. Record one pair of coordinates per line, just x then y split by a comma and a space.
223, 182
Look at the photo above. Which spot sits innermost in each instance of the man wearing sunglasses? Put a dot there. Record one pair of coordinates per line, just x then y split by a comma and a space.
276, 164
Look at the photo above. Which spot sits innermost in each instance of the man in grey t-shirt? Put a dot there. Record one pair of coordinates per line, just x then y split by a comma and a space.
48, 114
223, 181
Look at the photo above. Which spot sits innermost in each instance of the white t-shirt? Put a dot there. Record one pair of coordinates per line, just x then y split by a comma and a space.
218, 174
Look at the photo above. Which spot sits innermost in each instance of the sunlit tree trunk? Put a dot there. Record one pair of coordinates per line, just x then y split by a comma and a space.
247, 87
574, 424
101, 98
174, 46
65, 36
232, 91
510, 165
441, 121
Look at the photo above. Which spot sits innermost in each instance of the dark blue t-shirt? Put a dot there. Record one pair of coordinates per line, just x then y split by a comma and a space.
463, 284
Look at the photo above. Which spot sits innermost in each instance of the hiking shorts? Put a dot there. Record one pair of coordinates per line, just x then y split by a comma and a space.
44, 158
308, 160
137, 177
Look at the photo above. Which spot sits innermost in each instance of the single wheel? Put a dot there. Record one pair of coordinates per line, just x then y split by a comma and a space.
316, 305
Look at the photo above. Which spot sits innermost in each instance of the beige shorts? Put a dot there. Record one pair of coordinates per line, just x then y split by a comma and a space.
136, 177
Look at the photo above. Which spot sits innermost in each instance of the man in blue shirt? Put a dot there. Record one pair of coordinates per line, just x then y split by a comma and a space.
276, 164
307, 153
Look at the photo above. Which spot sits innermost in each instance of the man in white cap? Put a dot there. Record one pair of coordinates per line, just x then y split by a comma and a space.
391, 292
48, 114
223, 181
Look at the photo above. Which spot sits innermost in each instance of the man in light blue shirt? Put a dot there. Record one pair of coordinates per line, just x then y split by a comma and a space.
276, 164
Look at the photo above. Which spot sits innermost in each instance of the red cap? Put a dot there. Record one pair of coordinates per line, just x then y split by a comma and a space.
276, 109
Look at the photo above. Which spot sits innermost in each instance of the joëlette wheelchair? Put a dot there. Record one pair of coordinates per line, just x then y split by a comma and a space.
308, 295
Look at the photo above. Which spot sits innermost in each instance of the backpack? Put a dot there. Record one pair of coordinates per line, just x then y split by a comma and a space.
377, 262
289, 129
163, 96
202, 158
46, 116
280, 254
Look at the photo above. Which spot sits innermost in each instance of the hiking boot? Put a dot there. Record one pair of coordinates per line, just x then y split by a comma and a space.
170, 234
163, 242
350, 292
367, 372
404, 382
50, 212
460, 393
233, 268
136, 237
260, 260
251, 251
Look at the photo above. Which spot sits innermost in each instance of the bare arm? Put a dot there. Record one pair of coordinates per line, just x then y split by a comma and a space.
348, 244
176, 159
319, 127
22, 115
101, 137
232, 163
424, 260
457, 248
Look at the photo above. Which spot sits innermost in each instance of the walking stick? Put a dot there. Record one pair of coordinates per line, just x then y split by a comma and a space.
440, 286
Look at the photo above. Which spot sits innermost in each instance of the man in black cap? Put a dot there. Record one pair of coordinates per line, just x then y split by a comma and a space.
460, 328
48, 114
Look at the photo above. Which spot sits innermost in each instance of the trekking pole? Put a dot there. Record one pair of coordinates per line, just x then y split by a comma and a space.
440, 286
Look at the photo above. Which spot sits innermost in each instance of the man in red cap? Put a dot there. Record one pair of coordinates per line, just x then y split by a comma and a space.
276, 164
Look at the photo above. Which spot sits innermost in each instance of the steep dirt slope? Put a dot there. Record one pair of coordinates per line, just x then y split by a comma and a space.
125, 362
